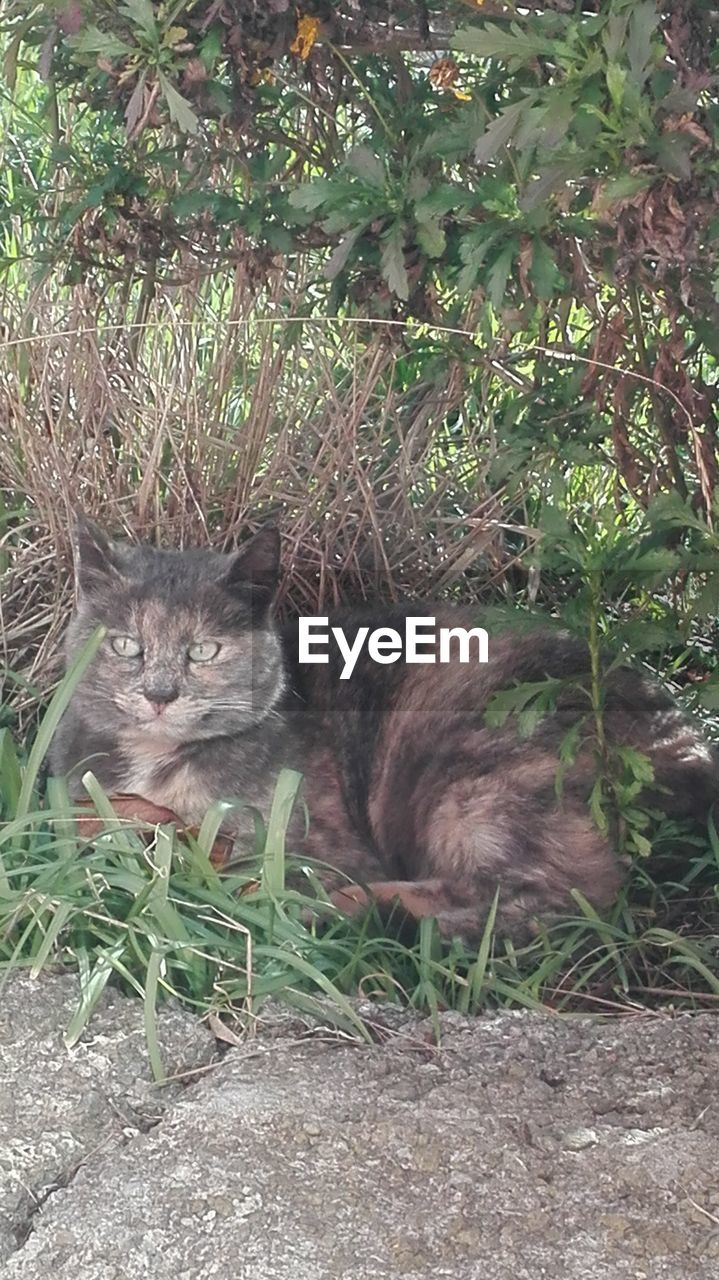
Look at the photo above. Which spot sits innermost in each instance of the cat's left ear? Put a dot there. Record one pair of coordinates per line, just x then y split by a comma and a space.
256, 565
97, 559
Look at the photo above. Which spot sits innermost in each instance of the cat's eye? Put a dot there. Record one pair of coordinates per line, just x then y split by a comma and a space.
203, 651
126, 646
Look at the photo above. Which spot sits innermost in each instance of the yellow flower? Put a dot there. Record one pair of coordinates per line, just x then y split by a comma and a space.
307, 33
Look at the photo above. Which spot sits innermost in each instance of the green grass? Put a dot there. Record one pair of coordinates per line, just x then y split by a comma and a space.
151, 914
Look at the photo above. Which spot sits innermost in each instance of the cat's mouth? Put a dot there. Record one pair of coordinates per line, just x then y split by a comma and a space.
168, 722
184, 722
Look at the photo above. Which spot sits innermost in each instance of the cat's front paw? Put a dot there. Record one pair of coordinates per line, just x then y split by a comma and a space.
351, 899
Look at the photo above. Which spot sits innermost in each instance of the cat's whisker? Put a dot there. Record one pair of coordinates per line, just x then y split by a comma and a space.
237, 706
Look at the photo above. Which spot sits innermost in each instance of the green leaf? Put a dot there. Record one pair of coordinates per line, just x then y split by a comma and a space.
181, 112
644, 635
141, 14
639, 765
673, 153
498, 274
92, 985
501, 130
669, 511
532, 716
228, 209
523, 44
534, 129
556, 118
10, 61
652, 560
318, 978
642, 25
211, 48
312, 195
706, 603
431, 237
708, 695
476, 974
597, 807
339, 257
340, 220
568, 752
277, 237
708, 691
190, 202
392, 261
512, 702
616, 80
543, 273
218, 97
473, 250
100, 43
365, 165
440, 200
640, 844
614, 34
418, 187
622, 188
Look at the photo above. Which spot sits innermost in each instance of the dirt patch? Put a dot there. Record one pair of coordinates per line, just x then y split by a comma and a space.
523, 1147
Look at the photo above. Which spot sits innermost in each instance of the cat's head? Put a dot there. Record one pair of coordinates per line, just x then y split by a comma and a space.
191, 650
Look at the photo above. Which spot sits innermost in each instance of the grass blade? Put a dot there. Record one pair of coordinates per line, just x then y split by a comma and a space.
10, 773
471, 998
92, 985
63, 911
283, 801
163, 865
58, 706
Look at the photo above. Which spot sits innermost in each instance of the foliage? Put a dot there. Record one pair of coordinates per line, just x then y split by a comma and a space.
549, 182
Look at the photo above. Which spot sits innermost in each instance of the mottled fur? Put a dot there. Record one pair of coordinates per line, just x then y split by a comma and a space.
410, 794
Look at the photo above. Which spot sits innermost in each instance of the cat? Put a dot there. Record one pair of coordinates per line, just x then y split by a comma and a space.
197, 694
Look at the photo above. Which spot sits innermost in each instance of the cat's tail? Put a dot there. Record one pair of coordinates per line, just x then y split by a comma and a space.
641, 714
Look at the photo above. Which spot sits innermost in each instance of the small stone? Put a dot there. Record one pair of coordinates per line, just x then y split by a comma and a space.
580, 1139
222, 1206
65, 1238
615, 1223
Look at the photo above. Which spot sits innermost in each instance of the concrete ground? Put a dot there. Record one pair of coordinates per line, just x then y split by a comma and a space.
525, 1147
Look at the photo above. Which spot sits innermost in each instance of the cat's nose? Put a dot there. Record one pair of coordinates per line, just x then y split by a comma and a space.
159, 697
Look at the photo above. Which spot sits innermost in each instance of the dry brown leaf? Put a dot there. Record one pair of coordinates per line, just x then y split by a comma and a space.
222, 1032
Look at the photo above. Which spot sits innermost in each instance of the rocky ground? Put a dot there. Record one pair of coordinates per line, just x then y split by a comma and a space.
524, 1147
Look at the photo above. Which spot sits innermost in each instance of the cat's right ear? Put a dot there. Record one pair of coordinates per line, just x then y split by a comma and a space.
256, 566
97, 564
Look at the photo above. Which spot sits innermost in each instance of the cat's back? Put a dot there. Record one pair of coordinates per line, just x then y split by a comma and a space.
433, 655
402, 729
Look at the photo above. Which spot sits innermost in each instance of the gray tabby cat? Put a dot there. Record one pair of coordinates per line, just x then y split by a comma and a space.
196, 694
